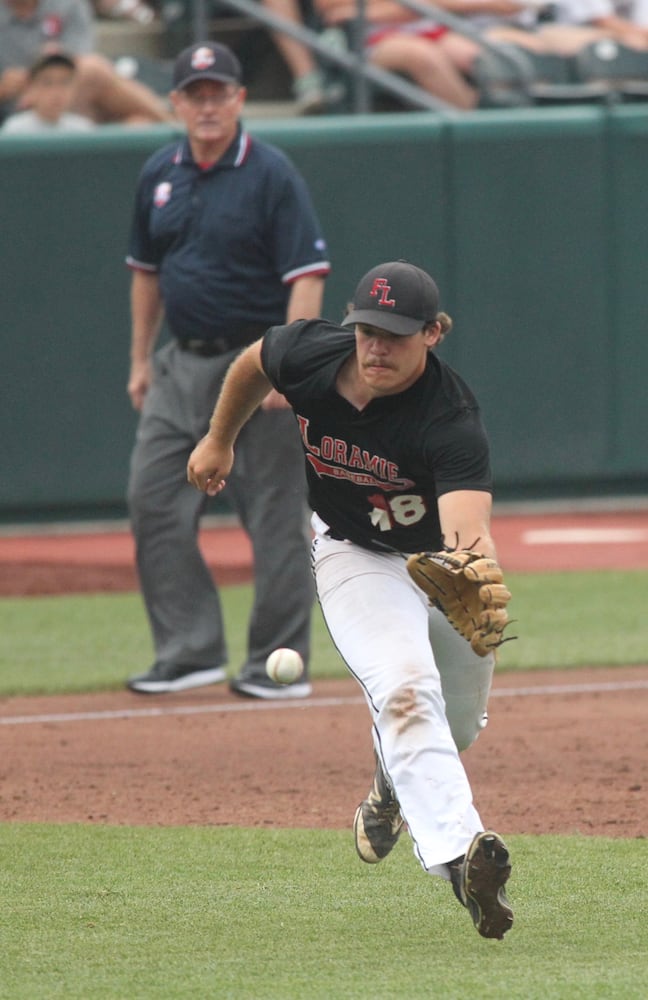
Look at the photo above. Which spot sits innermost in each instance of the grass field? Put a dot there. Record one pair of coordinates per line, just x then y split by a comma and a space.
97, 912
89, 643
121, 913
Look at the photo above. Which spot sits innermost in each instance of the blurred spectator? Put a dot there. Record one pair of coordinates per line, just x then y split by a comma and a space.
31, 28
436, 59
312, 93
126, 10
535, 27
625, 21
562, 27
50, 90
443, 61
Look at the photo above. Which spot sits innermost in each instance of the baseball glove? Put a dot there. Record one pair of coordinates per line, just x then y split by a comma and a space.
467, 587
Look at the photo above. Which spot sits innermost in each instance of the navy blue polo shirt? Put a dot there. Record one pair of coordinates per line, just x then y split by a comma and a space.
227, 241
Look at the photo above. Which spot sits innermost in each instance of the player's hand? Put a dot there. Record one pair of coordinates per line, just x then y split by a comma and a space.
275, 401
208, 466
139, 382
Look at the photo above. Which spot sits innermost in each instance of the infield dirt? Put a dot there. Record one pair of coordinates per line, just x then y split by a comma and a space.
563, 752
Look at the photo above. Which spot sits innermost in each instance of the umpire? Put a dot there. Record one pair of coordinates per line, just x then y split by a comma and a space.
224, 243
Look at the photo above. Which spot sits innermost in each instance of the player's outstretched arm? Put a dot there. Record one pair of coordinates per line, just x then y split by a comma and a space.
244, 388
465, 521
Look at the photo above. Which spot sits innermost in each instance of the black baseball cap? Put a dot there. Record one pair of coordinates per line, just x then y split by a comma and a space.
397, 296
51, 59
206, 61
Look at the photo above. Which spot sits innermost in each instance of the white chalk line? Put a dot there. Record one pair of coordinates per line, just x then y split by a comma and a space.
584, 536
303, 705
141, 713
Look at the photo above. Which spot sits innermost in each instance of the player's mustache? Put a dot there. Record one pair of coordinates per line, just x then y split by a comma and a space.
373, 362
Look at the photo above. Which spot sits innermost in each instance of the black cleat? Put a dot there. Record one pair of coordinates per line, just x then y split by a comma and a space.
478, 880
378, 822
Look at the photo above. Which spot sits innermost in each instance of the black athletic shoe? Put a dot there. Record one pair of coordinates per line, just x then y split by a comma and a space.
478, 880
165, 678
264, 687
378, 822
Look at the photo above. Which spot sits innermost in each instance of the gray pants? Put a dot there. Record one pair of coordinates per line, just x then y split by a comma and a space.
266, 488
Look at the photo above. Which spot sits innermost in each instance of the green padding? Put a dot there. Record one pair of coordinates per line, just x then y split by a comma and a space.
531, 289
533, 223
374, 179
628, 335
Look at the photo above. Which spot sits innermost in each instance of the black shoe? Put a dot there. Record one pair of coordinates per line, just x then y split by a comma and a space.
163, 678
263, 687
478, 880
378, 822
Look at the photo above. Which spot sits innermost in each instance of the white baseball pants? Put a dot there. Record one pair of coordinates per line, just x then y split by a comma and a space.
426, 690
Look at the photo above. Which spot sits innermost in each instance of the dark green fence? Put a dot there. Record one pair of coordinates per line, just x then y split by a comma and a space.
534, 224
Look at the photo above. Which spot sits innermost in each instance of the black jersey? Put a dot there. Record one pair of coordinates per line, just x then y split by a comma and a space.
374, 475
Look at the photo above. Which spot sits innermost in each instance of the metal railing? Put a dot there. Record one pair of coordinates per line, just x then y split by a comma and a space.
354, 61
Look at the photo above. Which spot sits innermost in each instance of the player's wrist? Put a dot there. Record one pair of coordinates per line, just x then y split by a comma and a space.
216, 438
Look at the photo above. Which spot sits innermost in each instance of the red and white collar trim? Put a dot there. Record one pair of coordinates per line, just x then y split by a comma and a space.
245, 143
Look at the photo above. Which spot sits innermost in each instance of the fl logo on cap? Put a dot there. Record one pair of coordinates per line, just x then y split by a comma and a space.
380, 290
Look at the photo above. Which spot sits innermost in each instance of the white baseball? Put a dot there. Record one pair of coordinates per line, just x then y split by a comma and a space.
284, 666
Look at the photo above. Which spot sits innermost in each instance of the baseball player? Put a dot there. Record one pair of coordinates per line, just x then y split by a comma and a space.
397, 461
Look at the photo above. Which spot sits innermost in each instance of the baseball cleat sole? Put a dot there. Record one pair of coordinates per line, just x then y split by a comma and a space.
362, 843
485, 872
378, 823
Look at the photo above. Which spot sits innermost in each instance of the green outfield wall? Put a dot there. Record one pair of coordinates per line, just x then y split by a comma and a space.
535, 224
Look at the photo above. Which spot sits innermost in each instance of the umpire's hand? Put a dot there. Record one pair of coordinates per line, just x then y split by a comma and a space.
139, 382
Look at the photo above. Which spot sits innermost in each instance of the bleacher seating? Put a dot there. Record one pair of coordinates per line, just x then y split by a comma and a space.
623, 70
602, 72
147, 52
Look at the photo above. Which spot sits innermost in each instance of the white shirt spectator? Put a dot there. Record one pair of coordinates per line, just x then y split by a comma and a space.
28, 122
586, 11
634, 10
582, 11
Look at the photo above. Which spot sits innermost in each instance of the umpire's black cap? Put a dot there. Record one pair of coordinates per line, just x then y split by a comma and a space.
206, 61
397, 296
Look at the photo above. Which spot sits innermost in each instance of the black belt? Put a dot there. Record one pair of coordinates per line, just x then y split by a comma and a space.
204, 348
237, 338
